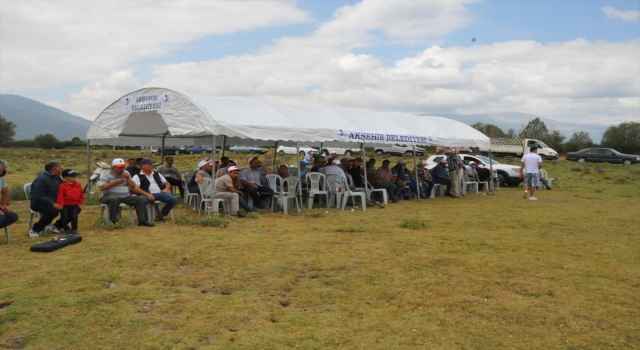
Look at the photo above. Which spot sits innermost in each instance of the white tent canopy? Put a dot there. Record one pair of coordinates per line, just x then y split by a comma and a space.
147, 116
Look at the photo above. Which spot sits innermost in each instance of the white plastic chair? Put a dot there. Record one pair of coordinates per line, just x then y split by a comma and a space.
486, 183
27, 191
353, 194
470, 183
313, 187
105, 208
371, 189
335, 185
291, 183
151, 211
188, 196
352, 183
543, 175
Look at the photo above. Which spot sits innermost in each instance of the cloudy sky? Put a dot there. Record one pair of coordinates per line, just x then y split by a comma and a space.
574, 61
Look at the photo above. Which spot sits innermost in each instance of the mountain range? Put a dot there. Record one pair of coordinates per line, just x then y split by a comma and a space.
33, 118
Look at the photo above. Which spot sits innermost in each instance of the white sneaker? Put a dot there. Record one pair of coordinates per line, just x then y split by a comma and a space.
525, 194
53, 229
533, 198
33, 234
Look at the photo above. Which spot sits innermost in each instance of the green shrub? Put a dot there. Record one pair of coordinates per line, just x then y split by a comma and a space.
213, 220
16, 193
349, 229
101, 223
414, 223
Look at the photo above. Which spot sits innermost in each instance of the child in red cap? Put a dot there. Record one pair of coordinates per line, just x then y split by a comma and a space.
71, 198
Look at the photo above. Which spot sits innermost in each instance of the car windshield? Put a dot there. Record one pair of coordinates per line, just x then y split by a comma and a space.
615, 152
487, 160
543, 144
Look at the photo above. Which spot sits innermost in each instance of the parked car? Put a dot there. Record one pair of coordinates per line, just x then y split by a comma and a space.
601, 155
149, 149
400, 150
201, 149
248, 149
282, 150
508, 174
443, 149
344, 151
170, 150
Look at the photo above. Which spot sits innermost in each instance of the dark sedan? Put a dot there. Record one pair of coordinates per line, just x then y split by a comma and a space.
200, 149
601, 155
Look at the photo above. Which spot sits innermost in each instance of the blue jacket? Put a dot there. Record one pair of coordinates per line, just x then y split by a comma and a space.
44, 189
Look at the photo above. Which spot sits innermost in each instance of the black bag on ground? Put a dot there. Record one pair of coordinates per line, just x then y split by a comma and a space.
51, 245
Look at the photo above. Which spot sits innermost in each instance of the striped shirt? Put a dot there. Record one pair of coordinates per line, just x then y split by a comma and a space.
120, 190
454, 162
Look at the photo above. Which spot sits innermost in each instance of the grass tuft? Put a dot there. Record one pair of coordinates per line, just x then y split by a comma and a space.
213, 220
101, 223
577, 169
413, 223
349, 229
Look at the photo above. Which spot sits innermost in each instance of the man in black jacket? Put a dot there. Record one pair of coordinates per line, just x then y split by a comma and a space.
44, 193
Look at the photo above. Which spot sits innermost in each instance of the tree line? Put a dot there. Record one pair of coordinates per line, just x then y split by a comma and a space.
45, 141
624, 137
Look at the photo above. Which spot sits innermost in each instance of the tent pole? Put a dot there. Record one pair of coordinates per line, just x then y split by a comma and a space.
321, 147
275, 153
88, 164
299, 192
213, 179
221, 154
491, 185
224, 139
162, 151
415, 166
366, 181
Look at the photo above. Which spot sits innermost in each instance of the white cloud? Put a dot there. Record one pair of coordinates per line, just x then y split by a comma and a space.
628, 15
46, 43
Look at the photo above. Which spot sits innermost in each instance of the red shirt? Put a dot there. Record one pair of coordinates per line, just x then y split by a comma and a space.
70, 194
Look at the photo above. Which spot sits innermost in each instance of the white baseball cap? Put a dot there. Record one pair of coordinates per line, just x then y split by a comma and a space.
203, 163
336, 161
119, 162
232, 168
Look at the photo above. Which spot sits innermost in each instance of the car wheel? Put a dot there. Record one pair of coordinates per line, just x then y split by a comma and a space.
347, 153
627, 162
408, 153
543, 156
502, 179
252, 152
281, 153
581, 160
301, 153
379, 152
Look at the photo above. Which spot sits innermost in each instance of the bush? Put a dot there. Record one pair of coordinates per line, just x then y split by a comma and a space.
16, 193
213, 220
122, 223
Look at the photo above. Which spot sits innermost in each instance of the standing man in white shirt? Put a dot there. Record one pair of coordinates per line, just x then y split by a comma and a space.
530, 168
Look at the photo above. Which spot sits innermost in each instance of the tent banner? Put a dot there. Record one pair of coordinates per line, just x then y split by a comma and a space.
145, 102
360, 136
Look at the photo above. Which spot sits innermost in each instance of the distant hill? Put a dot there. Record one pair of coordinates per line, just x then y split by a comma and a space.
33, 118
516, 121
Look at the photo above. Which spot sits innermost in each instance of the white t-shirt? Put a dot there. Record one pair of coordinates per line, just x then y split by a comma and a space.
153, 186
531, 161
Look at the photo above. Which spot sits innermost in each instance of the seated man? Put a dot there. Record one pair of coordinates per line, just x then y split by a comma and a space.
172, 174
283, 172
205, 169
251, 180
322, 162
7, 216
151, 185
346, 164
303, 173
403, 179
441, 176
44, 194
115, 186
355, 171
376, 180
133, 169
226, 190
307, 157
334, 169
425, 178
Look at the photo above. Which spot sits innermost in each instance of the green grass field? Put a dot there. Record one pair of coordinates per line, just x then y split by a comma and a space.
483, 272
